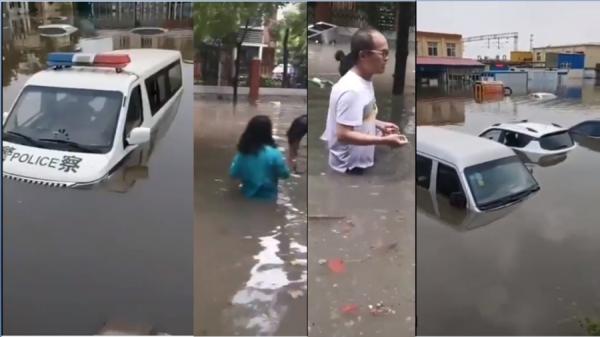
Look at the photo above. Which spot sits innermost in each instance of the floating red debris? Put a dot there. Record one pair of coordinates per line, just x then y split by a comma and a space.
337, 265
350, 309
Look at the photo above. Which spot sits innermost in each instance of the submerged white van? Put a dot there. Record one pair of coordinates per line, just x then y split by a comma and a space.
468, 172
74, 123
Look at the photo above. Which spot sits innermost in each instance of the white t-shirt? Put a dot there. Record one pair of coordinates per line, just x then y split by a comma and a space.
351, 103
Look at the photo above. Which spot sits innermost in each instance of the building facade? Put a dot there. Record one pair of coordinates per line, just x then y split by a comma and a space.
439, 44
590, 50
440, 60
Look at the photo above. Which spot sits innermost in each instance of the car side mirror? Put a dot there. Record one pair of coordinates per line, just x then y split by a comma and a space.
458, 200
139, 136
4, 116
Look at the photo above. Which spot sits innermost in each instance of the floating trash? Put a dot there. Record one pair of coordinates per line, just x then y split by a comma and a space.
350, 309
380, 309
337, 265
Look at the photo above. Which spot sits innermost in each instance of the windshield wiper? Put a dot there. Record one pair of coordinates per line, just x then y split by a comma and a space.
71, 144
509, 198
28, 139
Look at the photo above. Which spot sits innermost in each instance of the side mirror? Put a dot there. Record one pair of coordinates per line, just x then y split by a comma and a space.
139, 136
458, 200
4, 116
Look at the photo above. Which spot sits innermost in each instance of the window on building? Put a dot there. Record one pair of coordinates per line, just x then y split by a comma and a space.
538, 56
451, 49
432, 48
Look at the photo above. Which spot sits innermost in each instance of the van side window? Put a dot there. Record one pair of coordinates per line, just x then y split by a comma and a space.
175, 78
134, 112
152, 88
447, 180
163, 88
163, 85
423, 171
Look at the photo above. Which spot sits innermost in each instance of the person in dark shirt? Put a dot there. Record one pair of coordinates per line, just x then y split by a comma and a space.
295, 133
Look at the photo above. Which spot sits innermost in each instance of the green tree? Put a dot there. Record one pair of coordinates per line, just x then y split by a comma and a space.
405, 16
292, 34
222, 22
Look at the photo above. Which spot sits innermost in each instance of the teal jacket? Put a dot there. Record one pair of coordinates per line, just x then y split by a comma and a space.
260, 172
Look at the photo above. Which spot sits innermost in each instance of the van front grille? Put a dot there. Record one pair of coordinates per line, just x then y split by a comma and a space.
37, 181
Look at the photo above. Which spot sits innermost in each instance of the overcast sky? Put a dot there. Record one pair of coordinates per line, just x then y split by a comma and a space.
550, 22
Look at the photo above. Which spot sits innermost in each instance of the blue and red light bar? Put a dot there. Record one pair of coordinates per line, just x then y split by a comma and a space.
90, 60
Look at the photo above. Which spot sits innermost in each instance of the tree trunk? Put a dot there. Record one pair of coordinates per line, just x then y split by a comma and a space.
406, 11
236, 76
285, 80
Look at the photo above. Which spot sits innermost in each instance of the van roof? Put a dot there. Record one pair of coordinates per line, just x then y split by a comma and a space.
144, 62
534, 130
458, 148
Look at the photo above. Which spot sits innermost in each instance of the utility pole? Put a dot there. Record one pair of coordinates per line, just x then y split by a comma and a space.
531, 42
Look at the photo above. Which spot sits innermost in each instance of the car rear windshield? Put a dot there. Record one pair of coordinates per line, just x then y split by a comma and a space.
556, 141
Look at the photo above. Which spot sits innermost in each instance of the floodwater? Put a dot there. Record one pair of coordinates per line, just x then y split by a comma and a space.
74, 260
250, 256
366, 221
535, 271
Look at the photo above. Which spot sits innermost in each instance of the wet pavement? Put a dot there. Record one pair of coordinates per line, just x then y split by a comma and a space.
74, 260
250, 256
534, 271
361, 228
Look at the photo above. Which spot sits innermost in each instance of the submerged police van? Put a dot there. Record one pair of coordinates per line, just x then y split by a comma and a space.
74, 123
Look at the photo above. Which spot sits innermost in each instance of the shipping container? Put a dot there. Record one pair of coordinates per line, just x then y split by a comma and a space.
571, 61
521, 56
565, 61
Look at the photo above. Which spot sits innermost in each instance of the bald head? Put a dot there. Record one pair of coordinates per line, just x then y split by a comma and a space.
369, 50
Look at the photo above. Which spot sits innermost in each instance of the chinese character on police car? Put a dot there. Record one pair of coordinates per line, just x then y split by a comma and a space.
69, 163
7, 151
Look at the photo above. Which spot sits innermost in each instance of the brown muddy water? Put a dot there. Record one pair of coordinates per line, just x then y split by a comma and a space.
75, 260
250, 257
535, 271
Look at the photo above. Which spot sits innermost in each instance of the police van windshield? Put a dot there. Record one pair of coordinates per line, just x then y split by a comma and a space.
500, 182
78, 120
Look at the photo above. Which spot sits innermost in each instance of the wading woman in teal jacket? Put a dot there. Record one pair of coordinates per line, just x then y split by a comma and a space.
259, 164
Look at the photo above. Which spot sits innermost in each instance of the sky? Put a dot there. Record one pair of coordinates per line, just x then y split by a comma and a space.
550, 22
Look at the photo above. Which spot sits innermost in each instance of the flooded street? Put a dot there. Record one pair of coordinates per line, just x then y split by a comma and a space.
534, 271
75, 260
365, 221
250, 256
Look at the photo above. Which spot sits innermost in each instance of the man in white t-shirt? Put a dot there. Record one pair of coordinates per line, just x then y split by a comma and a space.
352, 124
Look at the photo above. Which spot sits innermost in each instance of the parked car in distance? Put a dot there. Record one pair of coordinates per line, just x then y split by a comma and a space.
535, 140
